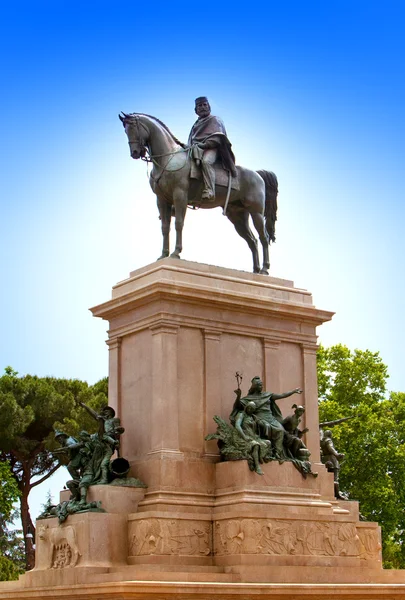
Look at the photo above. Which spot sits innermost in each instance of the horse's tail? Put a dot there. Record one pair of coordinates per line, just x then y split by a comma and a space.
270, 207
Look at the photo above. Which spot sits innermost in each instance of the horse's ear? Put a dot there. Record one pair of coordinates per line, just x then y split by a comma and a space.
121, 118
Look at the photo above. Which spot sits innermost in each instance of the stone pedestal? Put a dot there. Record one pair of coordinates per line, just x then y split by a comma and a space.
114, 499
283, 527
178, 332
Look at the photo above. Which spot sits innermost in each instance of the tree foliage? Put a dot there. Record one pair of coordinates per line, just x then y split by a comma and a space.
12, 554
8, 493
10, 551
8, 570
373, 472
30, 409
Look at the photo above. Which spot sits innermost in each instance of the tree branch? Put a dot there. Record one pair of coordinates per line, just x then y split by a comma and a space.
45, 477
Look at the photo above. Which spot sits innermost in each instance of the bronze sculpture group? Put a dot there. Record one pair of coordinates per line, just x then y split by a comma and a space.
258, 432
90, 463
178, 169
90, 455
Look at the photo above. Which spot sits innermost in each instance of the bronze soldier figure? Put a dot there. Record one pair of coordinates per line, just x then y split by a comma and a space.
331, 459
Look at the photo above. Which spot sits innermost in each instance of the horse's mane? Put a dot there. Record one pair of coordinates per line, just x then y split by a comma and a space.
162, 124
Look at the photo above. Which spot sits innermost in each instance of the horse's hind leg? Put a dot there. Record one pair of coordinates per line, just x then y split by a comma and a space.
258, 221
240, 219
165, 212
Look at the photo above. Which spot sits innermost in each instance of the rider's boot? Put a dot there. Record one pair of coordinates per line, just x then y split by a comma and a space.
208, 173
207, 195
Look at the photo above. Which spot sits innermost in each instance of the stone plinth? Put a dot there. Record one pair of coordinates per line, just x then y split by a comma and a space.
261, 524
178, 332
85, 543
113, 498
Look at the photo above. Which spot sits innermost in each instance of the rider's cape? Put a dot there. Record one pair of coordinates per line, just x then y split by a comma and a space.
213, 128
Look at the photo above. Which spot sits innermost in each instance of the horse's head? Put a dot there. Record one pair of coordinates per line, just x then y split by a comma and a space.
138, 134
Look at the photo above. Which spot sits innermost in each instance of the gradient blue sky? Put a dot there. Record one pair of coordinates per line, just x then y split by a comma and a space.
314, 91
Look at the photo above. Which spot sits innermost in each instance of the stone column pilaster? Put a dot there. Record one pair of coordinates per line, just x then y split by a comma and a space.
310, 387
164, 411
114, 377
212, 377
271, 365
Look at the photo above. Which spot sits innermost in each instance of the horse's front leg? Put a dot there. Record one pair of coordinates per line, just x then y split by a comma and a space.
165, 212
180, 206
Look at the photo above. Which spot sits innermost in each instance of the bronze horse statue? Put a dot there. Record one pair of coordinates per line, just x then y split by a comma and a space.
170, 181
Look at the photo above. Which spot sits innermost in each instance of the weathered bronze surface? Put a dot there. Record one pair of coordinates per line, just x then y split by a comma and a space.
104, 444
258, 433
90, 463
331, 459
69, 507
255, 194
210, 143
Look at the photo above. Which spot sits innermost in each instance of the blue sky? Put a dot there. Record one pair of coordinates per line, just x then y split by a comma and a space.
313, 91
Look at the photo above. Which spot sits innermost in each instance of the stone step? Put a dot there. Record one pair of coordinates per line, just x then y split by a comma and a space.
166, 573
177, 567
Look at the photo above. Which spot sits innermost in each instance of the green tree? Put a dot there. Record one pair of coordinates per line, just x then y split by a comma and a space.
30, 409
10, 567
8, 493
11, 552
373, 471
8, 570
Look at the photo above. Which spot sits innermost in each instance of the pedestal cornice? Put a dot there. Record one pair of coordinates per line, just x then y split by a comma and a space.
216, 286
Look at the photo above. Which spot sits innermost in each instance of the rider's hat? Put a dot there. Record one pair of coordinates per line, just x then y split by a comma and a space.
108, 409
59, 433
201, 99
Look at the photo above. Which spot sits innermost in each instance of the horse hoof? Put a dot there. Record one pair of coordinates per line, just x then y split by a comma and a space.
174, 255
263, 272
163, 256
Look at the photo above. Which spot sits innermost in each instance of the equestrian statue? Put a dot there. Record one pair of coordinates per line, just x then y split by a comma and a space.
203, 174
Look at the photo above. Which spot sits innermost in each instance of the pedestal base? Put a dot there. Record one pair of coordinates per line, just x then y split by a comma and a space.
206, 529
190, 588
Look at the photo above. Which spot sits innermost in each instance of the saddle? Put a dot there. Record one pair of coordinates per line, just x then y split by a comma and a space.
221, 175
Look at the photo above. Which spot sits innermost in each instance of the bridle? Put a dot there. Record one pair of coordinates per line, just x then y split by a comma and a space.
145, 154
143, 149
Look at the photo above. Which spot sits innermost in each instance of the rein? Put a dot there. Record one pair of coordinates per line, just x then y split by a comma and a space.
151, 157
147, 157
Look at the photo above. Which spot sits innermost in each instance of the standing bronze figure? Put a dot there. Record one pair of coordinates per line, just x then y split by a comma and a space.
203, 174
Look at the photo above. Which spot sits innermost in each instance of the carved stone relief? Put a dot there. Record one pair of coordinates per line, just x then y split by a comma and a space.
59, 546
169, 536
370, 544
317, 538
